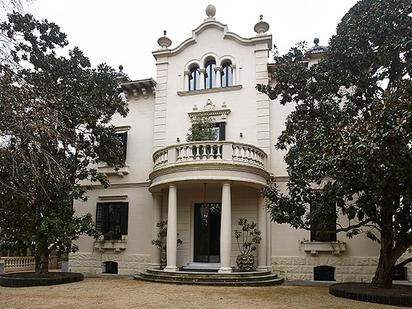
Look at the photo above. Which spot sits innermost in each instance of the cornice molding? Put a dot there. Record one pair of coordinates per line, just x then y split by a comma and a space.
226, 35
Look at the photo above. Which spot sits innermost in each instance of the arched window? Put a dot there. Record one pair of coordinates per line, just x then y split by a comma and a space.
227, 74
210, 74
194, 78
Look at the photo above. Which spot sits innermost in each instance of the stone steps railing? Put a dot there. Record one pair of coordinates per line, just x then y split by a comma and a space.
214, 151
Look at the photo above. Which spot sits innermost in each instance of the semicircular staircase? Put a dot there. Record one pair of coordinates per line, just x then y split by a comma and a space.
255, 278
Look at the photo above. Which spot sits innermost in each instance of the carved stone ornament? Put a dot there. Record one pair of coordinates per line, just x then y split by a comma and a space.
210, 110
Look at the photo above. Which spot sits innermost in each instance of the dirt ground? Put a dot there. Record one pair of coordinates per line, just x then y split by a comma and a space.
126, 293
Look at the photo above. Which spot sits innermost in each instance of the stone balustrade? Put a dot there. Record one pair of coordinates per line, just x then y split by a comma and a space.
210, 151
11, 264
18, 263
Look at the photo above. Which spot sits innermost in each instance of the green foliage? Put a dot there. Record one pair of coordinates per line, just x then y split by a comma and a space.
351, 129
201, 130
248, 237
53, 128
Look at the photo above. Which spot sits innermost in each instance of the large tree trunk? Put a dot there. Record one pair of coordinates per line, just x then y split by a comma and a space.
44, 261
383, 276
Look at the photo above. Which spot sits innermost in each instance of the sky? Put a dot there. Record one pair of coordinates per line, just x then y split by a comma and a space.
126, 31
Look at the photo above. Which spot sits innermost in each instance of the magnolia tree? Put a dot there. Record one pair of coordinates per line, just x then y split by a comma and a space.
351, 131
54, 128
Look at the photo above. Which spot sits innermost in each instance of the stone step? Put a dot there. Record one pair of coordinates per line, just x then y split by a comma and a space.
270, 282
206, 278
195, 274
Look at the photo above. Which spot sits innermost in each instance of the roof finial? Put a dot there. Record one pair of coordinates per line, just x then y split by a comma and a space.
121, 68
316, 41
210, 11
164, 42
261, 27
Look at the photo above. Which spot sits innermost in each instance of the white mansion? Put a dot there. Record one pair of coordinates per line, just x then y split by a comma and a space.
202, 189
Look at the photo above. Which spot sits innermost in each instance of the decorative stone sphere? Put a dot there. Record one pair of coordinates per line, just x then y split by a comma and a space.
164, 42
210, 11
261, 27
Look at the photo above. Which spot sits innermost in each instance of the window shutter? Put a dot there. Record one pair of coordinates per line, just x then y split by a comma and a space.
124, 217
222, 131
99, 217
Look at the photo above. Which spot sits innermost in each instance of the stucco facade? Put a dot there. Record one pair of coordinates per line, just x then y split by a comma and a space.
165, 176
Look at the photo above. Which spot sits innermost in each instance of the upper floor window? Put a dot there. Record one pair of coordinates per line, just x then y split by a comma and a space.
123, 137
210, 74
227, 74
323, 229
219, 131
112, 219
194, 77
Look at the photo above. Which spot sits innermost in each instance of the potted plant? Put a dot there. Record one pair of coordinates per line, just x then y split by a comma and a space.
247, 238
161, 241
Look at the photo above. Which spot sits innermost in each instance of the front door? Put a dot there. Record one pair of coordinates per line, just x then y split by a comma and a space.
207, 233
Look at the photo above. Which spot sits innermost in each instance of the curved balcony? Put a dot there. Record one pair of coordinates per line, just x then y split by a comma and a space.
209, 160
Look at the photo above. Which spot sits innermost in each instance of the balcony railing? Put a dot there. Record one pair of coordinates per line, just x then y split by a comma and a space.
210, 151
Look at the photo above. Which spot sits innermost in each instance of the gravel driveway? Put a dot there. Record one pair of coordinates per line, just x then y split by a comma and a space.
126, 293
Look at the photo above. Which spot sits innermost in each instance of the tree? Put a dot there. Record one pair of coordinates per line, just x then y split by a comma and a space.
201, 130
351, 130
53, 131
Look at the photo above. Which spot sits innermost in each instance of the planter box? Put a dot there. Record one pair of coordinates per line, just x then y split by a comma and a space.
107, 245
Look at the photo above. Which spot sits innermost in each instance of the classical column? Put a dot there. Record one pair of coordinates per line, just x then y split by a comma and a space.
262, 226
186, 80
171, 245
234, 74
202, 78
218, 71
157, 217
225, 230
268, 241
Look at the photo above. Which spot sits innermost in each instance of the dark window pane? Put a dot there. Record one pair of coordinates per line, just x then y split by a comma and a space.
110, 267
324, 229
112, 219
324, 273
222, 131
399, 273
210, 74
194, 78
227, 75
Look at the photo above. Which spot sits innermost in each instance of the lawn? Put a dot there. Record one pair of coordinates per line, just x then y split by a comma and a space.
127, 293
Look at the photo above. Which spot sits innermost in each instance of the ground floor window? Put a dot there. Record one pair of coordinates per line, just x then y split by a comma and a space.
324, 273
112, 219
400, 273
110, 267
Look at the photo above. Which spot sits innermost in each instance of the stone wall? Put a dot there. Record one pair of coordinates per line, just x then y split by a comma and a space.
92, 263
355, 269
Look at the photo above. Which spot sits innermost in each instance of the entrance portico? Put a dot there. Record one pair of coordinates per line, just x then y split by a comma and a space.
204, 225
234, 175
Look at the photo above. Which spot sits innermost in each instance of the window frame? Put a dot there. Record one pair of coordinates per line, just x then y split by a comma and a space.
225, 77
210, 74
321, 235
105, 219
194, 77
